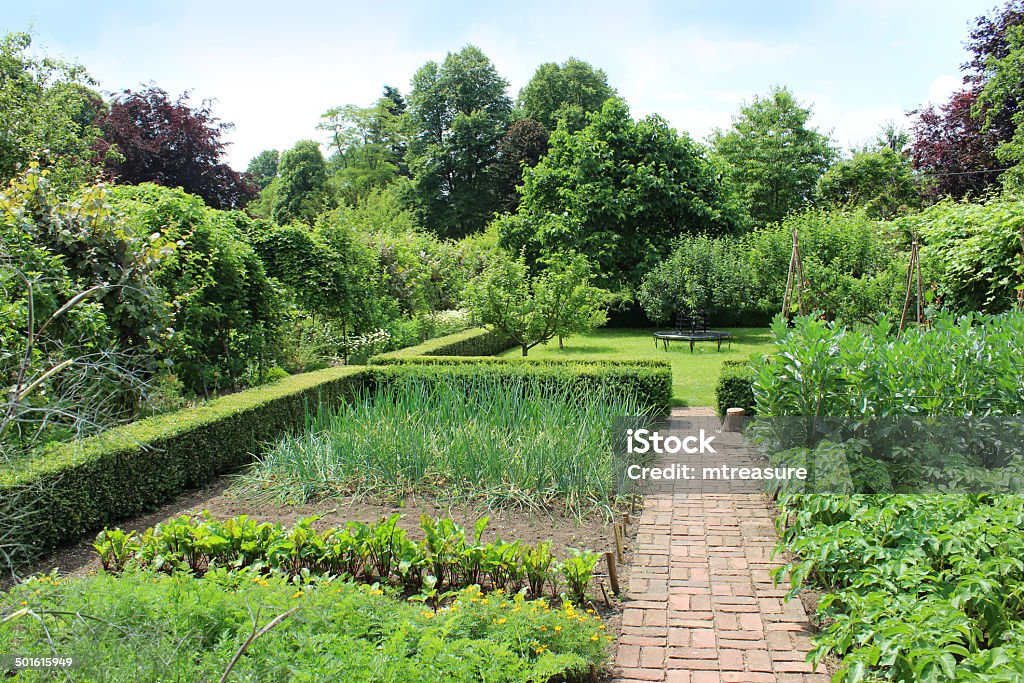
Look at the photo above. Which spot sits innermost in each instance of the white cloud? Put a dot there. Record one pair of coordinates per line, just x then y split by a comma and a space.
942, 87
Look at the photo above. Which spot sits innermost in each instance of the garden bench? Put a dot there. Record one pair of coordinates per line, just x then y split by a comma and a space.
691, 328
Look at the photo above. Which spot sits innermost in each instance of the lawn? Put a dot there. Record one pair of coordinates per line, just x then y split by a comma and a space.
693, 374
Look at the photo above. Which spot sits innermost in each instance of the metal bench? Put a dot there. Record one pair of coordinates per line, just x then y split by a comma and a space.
691, 328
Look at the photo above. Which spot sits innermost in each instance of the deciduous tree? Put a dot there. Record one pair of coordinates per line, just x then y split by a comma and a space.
458, 111
775, 158
171, 143
564, 94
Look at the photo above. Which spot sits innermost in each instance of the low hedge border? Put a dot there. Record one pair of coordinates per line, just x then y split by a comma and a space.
649, 383
475, 342
735, 387
74, 489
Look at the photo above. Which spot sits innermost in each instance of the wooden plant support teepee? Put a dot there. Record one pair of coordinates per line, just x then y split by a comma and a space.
794, 281
913, 276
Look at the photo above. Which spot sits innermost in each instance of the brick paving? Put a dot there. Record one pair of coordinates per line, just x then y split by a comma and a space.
702, 607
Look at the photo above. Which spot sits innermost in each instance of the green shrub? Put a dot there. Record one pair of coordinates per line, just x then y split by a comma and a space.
974, 251
225, 307
82, 486
735, 387
146, 627
475, 342
649, 383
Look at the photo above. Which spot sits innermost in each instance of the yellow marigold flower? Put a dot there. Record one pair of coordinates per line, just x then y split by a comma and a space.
541, 649
543, 628
594, 637
297, 594
376, 591
500, 621
427, 614
601, 627
558, 628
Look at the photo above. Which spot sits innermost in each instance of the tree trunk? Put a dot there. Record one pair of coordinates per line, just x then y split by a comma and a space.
560, 344
525, 349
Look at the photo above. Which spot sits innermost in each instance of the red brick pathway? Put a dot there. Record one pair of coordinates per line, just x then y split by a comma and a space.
702, 606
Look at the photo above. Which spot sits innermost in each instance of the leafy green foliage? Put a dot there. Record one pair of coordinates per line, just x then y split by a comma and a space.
474, 342
263, 167
619, 192
301, 193
449, 557
974, 251
563, 94
853, 270
141, 626
46, 108
735, 387
458, 111
920, 587
709, 274
879, 180
366, 141
531, 310
773, 157
223, 306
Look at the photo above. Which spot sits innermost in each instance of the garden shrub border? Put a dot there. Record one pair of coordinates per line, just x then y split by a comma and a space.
735, 387
76, 488
473, 342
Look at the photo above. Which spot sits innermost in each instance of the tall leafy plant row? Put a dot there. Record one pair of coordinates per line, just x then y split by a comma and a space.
970, 365
918, 587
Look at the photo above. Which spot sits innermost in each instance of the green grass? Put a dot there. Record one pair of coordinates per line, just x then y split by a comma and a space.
693, 374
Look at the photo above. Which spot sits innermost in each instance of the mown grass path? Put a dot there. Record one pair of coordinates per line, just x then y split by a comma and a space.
702, 607
693, 374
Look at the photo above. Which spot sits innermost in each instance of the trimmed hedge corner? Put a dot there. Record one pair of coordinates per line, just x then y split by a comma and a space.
735, 388
649, 383
77, 488
474, 342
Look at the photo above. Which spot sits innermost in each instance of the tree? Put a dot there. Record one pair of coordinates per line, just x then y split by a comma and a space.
773, 156
365, 140
952, 149
522, 147
458, 112
532, 309
1000, 98
263, 167
301, 193
564, 94
880, 180
619, 192
46, 109
965, 145
170, 143
582, 308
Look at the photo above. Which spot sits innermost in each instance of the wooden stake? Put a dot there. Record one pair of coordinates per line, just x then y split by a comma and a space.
613, 573
619, 543
604, 592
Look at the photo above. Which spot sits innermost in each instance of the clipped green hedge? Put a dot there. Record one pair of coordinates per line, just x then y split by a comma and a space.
650, 383
474, 342
735, 388
80, 487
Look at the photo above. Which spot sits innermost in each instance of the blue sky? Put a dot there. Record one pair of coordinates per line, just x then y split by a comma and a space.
274, 67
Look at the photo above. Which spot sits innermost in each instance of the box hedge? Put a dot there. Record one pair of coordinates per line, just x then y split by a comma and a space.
649, 383
735, 387
76, 488
474, 342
